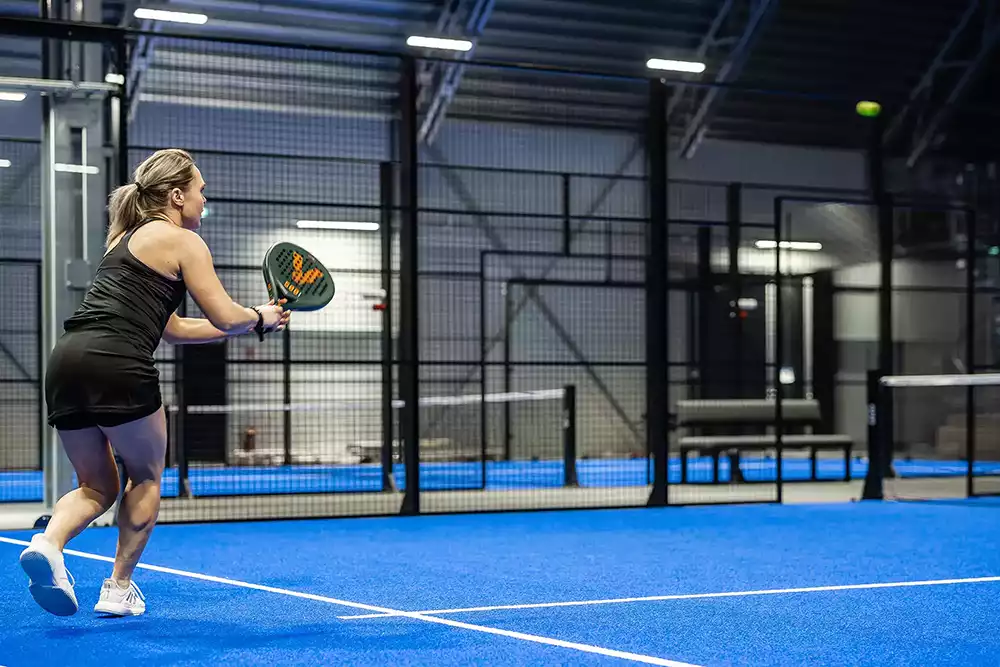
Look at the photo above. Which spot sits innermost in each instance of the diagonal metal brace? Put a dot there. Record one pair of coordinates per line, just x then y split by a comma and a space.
578, 353
595, 205
532, 294
923, 87
729, 70
450, 74
931, 130
21, 368
711, 39
139, 64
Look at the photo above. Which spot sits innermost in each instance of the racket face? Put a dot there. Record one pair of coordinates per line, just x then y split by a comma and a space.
292, 273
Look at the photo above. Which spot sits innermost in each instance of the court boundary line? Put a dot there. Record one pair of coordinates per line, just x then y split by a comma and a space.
537, 639
692, 596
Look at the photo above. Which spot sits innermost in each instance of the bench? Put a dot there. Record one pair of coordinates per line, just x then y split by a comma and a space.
796, 413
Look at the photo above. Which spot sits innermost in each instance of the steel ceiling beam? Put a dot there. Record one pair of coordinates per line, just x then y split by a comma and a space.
446, 76
710, 39
140, 58
970, 46
924, 85
760, 13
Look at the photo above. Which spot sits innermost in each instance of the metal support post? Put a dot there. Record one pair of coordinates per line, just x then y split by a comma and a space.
657, 312
409, 334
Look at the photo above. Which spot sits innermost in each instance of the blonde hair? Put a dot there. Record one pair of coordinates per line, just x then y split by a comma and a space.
149, 191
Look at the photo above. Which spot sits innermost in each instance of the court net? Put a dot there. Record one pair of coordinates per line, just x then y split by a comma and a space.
358, 440
943, 429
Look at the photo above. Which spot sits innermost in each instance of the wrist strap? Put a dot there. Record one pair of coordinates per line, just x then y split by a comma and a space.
259, 328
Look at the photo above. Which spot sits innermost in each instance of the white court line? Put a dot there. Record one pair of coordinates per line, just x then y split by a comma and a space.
695, 596
537, 639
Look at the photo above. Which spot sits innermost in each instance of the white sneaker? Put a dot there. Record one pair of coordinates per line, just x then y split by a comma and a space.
51, 583
119, 601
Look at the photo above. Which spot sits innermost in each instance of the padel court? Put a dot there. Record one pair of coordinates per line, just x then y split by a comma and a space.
861, 583
594, 363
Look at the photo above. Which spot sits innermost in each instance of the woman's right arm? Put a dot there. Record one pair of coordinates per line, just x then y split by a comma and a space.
206, 289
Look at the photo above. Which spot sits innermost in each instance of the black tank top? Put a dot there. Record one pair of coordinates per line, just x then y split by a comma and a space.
128, 298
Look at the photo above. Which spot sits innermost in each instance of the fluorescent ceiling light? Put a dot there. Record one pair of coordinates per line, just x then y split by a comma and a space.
75, 168
12, 97
116, 79
439, 43
336, 224
4, 164
174, 17
675, 65
789, 245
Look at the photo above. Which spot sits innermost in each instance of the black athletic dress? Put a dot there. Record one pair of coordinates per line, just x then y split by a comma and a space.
101, 371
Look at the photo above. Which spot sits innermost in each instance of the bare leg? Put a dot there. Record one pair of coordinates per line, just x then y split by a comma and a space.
142, 445
97, 474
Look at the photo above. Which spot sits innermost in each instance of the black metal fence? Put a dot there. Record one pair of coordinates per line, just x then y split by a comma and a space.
20, 332
529, 312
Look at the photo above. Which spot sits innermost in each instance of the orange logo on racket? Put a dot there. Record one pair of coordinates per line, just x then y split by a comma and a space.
306, 278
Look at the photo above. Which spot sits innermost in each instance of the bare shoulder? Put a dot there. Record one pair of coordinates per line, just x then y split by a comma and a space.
163, 247
169, 239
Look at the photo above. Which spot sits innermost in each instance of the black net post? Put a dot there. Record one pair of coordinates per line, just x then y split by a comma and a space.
409, 332
569, 435
657, 380
877, 446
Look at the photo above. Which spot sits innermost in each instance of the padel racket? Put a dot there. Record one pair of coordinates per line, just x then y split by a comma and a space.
294, 274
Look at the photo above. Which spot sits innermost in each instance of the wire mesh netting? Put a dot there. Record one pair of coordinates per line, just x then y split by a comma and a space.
20, 387
504, 202
20, 347
290, 143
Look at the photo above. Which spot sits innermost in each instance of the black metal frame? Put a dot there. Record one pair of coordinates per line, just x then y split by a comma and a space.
409, 332
387, 196
657, 294
656, 283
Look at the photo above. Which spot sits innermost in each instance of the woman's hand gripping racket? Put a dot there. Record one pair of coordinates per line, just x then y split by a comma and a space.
295, 278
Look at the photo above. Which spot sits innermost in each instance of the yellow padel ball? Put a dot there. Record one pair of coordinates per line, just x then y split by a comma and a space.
868, 109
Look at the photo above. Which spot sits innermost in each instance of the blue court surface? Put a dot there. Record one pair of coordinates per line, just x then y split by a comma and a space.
877, 583
220, 481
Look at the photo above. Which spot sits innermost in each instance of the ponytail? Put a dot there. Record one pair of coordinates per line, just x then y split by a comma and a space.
123, 211
149, 192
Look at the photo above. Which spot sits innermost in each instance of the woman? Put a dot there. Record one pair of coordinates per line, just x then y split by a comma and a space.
101, 386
